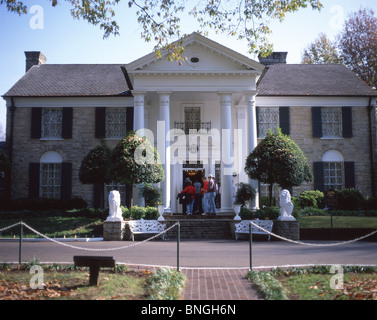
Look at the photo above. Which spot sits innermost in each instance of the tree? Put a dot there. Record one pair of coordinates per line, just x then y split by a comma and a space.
94, 168
134, 160
358, 45
160, 19
321, 51
278, 159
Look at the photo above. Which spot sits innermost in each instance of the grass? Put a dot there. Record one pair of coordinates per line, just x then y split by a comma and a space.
55, 227
317, 283
338, 222
69, 283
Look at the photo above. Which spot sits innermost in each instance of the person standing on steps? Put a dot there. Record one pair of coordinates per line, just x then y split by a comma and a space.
205, 196
211, 190
190, 194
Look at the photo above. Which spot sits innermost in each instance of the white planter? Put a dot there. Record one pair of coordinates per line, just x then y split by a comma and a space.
237, 209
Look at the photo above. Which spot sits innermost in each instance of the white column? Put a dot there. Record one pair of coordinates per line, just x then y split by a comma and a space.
139, 125
251, 125
164, 146
226, 152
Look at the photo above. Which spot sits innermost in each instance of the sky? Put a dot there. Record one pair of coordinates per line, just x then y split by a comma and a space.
65, 40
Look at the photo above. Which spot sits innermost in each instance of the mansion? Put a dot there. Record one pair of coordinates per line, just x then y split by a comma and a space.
204, 116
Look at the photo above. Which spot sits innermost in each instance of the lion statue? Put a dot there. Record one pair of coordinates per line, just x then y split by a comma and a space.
115, 212
286, 206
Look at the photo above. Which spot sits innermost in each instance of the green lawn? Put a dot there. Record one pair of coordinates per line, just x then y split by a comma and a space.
338, 222
55, 227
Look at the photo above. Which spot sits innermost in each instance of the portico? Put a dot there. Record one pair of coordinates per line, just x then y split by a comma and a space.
193, 114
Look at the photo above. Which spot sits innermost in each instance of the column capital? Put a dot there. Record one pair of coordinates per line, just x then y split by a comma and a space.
138, 93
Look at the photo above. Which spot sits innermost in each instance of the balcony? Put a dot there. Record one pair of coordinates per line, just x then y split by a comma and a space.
205, 127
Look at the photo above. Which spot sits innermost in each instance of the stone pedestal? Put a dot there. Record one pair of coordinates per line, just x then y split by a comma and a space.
287, 229
113, 230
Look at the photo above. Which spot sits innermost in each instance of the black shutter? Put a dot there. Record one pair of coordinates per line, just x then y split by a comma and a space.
349, 175
319, 183
257, 115
66, 181
67, 123
347, 122
317, 122
284, 122
98, 192
34, 169
130, 119
100, 123
36, 123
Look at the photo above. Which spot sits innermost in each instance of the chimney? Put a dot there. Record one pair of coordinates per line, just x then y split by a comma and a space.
274, 58
34, 58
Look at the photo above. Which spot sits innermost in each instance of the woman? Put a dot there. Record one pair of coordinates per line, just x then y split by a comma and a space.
190, 192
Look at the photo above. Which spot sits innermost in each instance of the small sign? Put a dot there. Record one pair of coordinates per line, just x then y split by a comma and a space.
331, 199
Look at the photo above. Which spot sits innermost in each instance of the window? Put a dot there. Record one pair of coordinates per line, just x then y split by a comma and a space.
50, 175
331, 122
268, 119
271, 118
333, 172
116, 123
192, 119
52, 120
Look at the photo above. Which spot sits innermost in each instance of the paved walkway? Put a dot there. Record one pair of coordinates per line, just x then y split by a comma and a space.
218, 284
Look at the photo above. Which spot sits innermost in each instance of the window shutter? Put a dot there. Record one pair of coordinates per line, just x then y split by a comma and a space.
67, 123
284, 122
318, 172
98, 191
100, 126
34, 169
349, 175
36, 123
347, 122
130, 119
66, 181
317, 122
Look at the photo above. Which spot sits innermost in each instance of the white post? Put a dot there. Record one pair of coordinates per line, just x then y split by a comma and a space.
251, 125
226, 152
139, 125
164, 146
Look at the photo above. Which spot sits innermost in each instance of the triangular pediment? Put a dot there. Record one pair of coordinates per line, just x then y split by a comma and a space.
202, 55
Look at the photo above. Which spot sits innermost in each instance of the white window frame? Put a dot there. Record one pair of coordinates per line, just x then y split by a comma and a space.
332, 122
50, 175
333, 170
268, 119
115, 123
52, 123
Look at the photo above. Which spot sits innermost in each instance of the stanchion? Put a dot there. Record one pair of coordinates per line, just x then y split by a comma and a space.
250, 247
20, 243
178, 241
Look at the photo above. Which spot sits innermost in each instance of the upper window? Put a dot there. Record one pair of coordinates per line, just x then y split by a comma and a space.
192, 119
116, 123
268, 119
331, 122
52, 120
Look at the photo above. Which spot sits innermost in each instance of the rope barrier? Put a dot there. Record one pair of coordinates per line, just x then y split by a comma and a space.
313, 244
106, 249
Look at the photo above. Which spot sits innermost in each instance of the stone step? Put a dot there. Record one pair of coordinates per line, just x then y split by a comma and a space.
191, 228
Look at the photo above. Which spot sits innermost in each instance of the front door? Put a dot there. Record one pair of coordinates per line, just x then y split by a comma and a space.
195, 176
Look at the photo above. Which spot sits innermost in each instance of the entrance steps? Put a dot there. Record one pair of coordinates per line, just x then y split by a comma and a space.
201, 227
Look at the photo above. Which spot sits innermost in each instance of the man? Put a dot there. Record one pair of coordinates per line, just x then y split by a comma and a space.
205, 196
211, 191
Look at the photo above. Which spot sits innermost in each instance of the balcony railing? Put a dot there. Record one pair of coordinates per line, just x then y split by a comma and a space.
203, 126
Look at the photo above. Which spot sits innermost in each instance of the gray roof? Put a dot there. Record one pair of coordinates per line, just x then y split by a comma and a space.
51, 80
311, 80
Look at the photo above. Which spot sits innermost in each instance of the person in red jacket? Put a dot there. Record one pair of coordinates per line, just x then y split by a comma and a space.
190, 192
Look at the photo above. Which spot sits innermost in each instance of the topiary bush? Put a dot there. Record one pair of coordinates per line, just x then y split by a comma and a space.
311, 198
349, 199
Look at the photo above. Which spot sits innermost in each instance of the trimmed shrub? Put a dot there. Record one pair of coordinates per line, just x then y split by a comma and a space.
349, 199
310, 198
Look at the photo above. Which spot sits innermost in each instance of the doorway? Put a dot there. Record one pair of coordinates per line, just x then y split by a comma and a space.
195, 176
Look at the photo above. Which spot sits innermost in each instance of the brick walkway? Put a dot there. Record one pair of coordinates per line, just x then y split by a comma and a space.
218, 284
